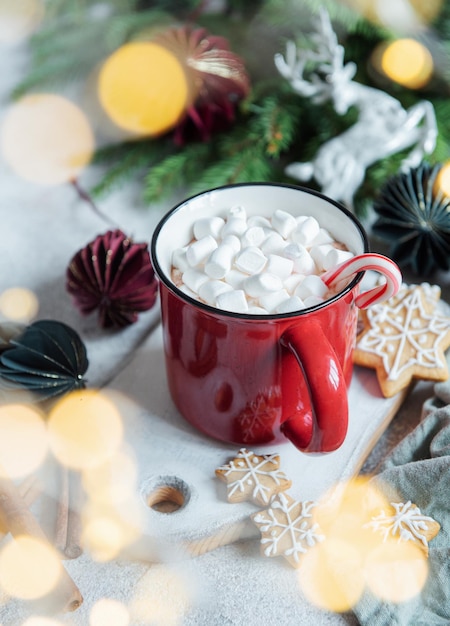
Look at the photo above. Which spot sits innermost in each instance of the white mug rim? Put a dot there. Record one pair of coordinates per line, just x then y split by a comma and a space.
169, 284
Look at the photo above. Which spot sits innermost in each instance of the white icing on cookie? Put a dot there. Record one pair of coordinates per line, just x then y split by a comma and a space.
405, 330
260, 473
287, 528
406, 524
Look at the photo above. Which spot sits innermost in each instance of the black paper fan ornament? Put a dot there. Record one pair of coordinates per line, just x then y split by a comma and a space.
414, 218
48, 359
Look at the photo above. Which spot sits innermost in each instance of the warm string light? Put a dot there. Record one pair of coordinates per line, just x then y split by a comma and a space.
334, 573
19, 304
46, 139
143, 88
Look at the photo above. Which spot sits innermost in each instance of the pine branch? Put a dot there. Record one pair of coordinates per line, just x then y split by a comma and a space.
175, 171
126, 162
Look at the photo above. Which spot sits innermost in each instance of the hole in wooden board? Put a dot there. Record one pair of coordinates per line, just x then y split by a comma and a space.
169, 494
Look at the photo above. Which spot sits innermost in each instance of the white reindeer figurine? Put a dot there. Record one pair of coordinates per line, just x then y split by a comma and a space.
383, 127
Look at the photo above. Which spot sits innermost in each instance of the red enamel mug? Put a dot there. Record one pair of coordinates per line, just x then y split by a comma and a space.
259, 379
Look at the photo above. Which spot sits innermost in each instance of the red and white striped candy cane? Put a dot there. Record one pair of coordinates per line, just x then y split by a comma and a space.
364, 262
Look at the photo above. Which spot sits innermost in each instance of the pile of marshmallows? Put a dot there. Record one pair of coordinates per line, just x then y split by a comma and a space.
257, 265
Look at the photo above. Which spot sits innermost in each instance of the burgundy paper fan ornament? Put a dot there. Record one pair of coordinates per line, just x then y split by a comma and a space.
113, 275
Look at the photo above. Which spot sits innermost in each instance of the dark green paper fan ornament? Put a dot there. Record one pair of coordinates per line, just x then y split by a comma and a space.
414, 217
48, 358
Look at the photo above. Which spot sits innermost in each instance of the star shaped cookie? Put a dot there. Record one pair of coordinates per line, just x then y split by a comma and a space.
253, 477
287, 528
405, 522
405, 338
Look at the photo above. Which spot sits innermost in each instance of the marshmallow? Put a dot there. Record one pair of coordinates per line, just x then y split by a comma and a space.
322, 237
312, 301
251, 260
179, 259
335, 257
208, 226
210, 289
257, 310
188, 291
271, 301
234, 300
303, 263
260, 284
253, 236
234, 226
311, 286
294, 303
305, 231
220, 261
235, 278
319, 254
283, 222
232, 241
193, 279
291, 282
238, 211
259, 220
279, 265
200, 250
273, 244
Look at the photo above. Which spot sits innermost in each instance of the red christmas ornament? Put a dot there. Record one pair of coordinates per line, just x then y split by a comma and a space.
114, 275
218, 81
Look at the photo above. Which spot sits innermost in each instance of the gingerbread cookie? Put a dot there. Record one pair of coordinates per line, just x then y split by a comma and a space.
287, 528
253, 477
405, 338
405, 522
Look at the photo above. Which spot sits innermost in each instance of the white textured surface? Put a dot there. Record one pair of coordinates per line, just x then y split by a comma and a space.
41, 229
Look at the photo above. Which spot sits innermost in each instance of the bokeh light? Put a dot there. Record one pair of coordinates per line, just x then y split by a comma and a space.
23, 441
162, 597
19, 19
19, 304
85, 429
143, 88
29, 568
46, 139
330, 575
396, 571
113, 481
405, 15
407, 62
442, 184
109, 612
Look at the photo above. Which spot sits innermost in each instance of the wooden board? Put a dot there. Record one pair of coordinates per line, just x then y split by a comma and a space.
173, 459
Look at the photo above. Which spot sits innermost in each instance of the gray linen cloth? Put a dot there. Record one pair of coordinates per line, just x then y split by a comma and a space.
418, 470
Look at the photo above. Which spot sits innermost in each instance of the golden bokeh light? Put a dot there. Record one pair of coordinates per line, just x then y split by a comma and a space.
109, 612
23, 441
29, 569
85, 429
442, 183
396, 571
46, 139
19, 19
162, 596
143, 88
104, 537
407, 62
112, 482
409, 15
331, 575
19, 304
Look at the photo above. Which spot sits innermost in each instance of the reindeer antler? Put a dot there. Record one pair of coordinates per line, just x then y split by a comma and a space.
327, 58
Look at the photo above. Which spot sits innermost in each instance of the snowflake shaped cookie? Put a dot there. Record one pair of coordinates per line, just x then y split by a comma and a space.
405, 522
253, 477
404, 338
287, 528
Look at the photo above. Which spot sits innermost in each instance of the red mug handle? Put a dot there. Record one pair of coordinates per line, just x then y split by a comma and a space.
327, 391
324, 427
